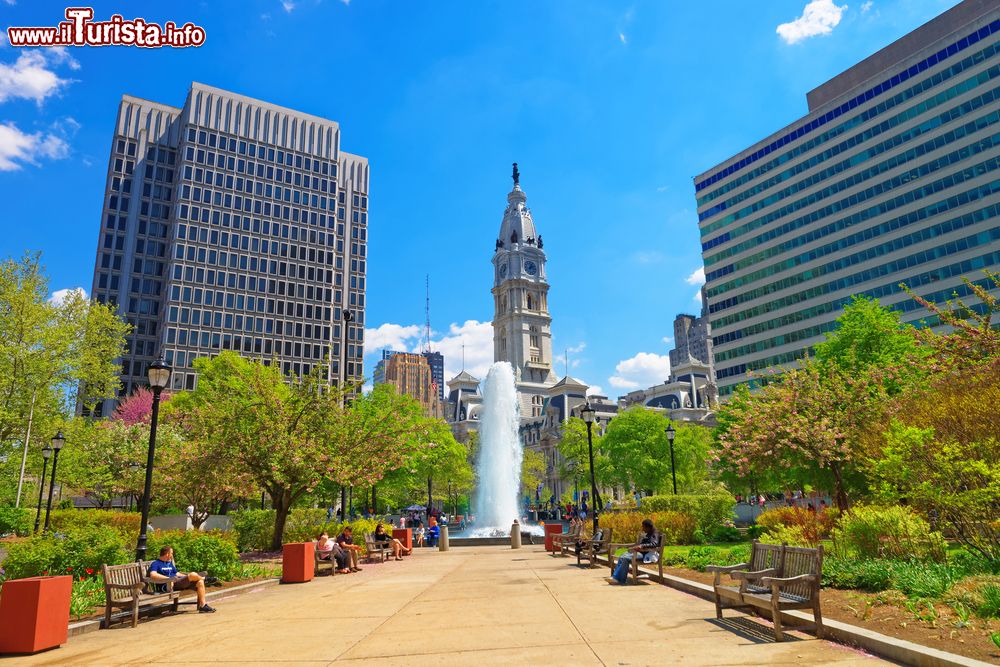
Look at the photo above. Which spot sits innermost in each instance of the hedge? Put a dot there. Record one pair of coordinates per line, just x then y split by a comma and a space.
254, 528
16, 520
708, 511
676, 527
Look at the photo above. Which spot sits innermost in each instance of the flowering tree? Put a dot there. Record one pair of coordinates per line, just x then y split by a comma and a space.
807, 424
138, 408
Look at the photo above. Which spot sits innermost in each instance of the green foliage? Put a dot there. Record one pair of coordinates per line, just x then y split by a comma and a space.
990, 606
86, 594
813, 526
923, 580
253, 527
125, 524
81, 551
708, 511
726, 534
16, 521
697, 558
532, 472
793, 536
849, 573
676, 527
196, 551
870, 531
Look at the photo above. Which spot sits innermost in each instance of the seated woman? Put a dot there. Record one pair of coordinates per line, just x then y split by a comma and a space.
418, 534
432, 531
328, 549
644, 548
384, 539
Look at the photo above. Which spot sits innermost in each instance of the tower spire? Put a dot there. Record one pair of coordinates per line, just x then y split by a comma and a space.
427, 314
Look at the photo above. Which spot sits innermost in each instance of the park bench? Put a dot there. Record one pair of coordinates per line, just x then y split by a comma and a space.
637, 574
128, 587
591, 549
777, 578
372, 548
566, 540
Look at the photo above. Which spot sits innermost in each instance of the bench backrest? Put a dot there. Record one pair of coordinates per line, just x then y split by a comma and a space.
766, 557
127, 574
798, 561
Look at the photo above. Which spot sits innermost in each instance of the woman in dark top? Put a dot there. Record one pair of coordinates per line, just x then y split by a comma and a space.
646, 548
382, 538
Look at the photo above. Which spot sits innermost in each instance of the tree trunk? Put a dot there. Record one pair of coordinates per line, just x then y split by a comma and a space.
24, 456
429, 499
840, 492
282, 503
374, 500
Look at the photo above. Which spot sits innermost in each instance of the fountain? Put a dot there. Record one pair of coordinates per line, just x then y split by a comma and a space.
500, 454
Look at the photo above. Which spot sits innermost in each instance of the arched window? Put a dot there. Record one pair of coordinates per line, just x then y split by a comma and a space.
529, 302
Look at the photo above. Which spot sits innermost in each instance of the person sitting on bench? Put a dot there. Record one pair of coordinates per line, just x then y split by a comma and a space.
432, 531
646, 547
329, 549
386, 540
346, 542
162, 571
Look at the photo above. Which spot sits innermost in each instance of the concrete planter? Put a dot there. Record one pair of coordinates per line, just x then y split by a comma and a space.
34, 614
551, 530
298, 562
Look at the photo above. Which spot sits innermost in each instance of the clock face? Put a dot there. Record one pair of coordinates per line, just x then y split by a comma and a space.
503, 270
530, 268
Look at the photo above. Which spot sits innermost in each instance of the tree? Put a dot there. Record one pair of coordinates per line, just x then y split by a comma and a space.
53, 355
532, 473
574, 463
138, 407
105, 458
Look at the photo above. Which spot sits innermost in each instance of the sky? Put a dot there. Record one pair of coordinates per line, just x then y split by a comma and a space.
609, 108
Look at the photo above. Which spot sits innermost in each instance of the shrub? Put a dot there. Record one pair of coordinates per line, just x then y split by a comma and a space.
676, 527
887, 532
125, 523
990, 606
15, 520
253, 529
922, 580
87, 593
196, 551
793, 536
708, 511
727, 534
814, 525
76, 552
865, 575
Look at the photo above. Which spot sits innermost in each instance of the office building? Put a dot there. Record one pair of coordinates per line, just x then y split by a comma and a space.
891, 177
436, 362
233, 224
410, 374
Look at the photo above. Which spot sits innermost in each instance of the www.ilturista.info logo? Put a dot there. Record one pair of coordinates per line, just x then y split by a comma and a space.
79, 29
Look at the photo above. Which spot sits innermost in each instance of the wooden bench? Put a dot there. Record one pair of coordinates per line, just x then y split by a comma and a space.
567, 540
591, 549
777, 578
321, 563
374, 549
637, 574
128, 587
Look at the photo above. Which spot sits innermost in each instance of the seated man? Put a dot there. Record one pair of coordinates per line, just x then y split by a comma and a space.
432, 532
644, 548
162, 570
346, 542
329, 549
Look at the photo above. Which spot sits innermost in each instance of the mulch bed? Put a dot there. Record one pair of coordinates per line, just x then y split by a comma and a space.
880, 613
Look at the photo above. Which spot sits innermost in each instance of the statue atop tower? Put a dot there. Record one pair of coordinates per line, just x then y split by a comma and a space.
516, 175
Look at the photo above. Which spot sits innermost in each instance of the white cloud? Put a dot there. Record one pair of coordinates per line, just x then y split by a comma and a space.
866, 7
266, 16
819, 17
346, 2
17, 147
287, 5
662, 188
697, 298
643, 370
31, 76
392, 336
575, 349
477, 337
60, 295
668, 339
697, 277
595, 390
622, 38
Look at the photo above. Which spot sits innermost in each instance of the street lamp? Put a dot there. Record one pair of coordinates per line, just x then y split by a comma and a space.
159, 377
57, 443
46, 453
588, 413
348, 318
671, 434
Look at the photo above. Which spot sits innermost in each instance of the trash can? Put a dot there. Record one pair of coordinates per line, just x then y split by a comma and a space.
443, 538
298, 562
551, 530
34, 614
515, 536
405, 537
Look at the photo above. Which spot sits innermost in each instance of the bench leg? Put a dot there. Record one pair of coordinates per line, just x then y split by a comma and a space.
174, 607
818, 616
135, 613
107, 616
718, 606
776, 619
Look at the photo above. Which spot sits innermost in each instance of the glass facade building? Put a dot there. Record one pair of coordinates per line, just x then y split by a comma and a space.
891, 178
233, 224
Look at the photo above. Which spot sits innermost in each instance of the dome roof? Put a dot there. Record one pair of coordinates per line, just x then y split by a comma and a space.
517, 220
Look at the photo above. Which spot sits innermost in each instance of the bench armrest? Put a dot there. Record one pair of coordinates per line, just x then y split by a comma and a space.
781, 581
740, 574
726, 568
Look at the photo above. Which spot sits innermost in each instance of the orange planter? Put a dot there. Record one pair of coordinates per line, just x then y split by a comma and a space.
552, 529
34, 614
405, 536
298, 562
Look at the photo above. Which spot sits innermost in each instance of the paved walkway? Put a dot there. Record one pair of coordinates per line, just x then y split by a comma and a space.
469, 606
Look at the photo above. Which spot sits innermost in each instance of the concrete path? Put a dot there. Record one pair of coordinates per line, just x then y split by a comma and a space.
470, 606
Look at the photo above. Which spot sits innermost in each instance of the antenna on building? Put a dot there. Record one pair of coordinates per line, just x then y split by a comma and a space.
427, 314
463, 354
566, 359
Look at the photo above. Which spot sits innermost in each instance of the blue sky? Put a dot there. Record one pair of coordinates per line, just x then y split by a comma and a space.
610, 109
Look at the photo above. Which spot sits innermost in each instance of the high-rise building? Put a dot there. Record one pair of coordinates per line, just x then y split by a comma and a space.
522, 326
890, 178
436, 362
410, 374
233, 224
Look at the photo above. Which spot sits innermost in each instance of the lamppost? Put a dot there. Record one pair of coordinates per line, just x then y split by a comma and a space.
348, 318
159, 377
671, 433
46, 453
588, 413
57, 443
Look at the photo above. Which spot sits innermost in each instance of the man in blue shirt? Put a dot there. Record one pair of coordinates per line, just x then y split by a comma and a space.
162, 571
